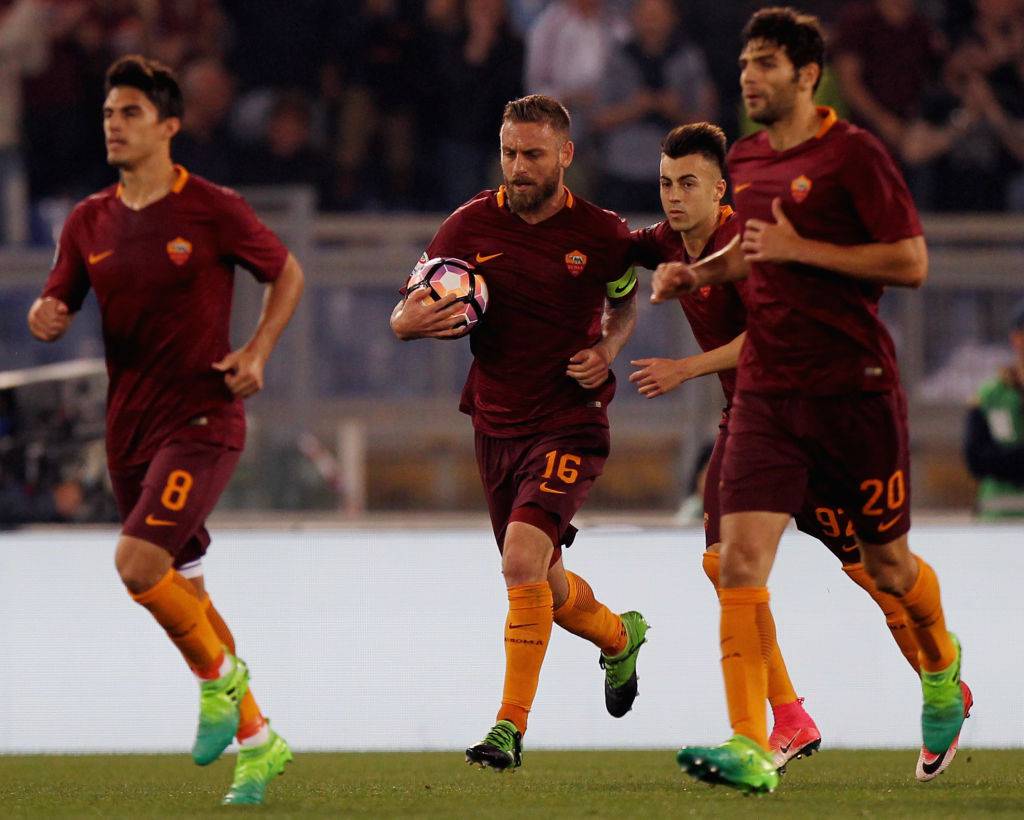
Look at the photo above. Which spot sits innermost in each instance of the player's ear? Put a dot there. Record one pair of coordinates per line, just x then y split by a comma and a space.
566, 153
172, 125
720, 189
808, 75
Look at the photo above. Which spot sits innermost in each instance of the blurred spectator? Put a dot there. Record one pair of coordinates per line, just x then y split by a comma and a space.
282, 43
286, 155
886, 54
23, 52
181, 30
204, 145
994, 435
986, 71
888, 58
655, 81
63, 137
477, 65
567, 55
383, 78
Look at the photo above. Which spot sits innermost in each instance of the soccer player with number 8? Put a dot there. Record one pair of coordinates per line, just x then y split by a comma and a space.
159, 250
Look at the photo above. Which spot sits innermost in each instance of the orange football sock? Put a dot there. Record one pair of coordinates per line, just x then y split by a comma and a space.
895, 615
527, 632
583, 615
780, 687
184, 620
923, 604
747, 633
250, 718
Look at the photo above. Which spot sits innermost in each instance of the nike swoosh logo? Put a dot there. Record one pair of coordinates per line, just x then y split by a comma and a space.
888, 525
742, 187
480, 258
933, 767
544, 488
99, 257
159, 522
519, 626
623, 288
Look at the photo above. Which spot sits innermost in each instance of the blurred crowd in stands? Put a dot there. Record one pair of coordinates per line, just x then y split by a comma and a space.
395, 104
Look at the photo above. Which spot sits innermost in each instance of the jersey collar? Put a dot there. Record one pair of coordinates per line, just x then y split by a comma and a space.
176, 188
829, 117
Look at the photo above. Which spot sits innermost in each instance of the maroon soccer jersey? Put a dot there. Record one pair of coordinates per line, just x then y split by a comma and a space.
547, 283
716, 314
810, 330
164, 278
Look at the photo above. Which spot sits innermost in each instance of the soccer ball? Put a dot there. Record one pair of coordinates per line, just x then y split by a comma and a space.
443, 276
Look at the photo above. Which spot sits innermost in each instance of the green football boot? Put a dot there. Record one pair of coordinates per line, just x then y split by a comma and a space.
943, 712
739, 762
218, 712
254, 770
620, 677
501, 749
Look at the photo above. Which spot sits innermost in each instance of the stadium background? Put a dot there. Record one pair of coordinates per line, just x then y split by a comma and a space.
354, 127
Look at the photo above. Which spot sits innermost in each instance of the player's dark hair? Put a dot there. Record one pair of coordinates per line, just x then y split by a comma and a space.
538, 108
153, 79
798, 33
703, 138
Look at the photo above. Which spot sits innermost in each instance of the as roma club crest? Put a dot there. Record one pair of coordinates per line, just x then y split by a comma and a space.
575, 261
800, 188
179, 250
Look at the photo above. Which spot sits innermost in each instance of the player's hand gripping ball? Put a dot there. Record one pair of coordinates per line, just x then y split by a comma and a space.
440, 277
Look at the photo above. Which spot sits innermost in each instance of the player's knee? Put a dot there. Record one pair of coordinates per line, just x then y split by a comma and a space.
140, 564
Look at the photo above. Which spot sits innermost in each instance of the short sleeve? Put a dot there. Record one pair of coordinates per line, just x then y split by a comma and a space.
69, 278
878, 191
247, 241
644, 248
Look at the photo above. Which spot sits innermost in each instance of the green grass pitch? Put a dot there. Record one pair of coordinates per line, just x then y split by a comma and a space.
635, 784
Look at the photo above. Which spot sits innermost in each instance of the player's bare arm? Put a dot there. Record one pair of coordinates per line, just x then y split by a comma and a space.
658, 376
903, 263
590, 366
418, 316
672, 279
49, 319
243, 368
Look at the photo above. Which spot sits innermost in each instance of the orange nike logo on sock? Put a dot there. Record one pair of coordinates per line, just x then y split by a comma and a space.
159, 522
99, 257
544, 488
888, 525
481, 258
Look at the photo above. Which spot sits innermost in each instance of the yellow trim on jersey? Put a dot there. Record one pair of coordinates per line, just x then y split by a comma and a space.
622, 286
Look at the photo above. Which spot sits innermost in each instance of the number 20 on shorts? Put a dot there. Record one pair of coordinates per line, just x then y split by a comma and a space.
894, 491
175, 494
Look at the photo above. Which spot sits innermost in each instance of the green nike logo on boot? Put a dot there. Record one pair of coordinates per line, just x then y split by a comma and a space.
620, 678
739, 762
943, 712
254, 770
218, 712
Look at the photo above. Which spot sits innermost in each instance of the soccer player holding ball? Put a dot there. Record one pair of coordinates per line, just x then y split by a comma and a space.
826, 223
159, 249
561, 308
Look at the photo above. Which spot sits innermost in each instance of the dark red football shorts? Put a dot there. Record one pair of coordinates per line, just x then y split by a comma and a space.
168, 500
829, 524
552, 471
821, 457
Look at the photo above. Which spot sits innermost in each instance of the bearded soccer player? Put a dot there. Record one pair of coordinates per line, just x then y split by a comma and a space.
696, 226
561, 308
159, 249
826, 223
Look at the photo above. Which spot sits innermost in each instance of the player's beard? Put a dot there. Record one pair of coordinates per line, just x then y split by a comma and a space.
531, 199
778, 108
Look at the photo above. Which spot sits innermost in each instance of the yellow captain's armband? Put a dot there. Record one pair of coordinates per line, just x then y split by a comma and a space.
624, 286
